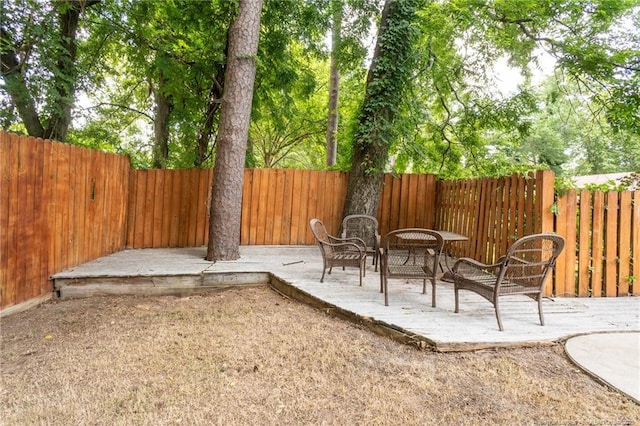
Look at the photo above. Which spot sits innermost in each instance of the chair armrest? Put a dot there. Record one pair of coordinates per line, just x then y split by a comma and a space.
346, 245
466, 261
356, 240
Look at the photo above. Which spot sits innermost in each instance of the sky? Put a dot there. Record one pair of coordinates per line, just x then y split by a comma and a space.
507, 78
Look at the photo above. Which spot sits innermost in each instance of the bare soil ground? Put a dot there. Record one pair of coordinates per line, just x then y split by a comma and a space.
250, 356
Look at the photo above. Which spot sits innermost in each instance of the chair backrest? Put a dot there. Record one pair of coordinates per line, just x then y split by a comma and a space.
322, 237
361, 226
531, 259
408, 246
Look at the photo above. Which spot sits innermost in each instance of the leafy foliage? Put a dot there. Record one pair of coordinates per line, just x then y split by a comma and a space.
445, 112
38, 49
455, 122
389, 73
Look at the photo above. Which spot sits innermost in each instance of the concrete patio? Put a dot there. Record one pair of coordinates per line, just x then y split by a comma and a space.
295, 272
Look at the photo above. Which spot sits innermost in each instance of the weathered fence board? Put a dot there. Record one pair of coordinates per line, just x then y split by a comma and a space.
562, 262
625, 243
635, 230
584, 246
610, 245
597, 246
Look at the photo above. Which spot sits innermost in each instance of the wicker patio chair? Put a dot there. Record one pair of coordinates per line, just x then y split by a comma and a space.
523, 270
364, 227
338, 251
411, 253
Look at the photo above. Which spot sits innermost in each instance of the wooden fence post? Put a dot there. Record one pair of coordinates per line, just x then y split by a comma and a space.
544, 209
544, 200
634, 281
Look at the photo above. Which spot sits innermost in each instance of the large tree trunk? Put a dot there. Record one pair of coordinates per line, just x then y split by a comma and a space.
228, 175
334, 85
388, 74
65, 87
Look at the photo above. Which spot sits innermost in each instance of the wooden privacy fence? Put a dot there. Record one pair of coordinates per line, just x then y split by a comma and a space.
170, 208
494, 212
601, 229
602, 255
62, 205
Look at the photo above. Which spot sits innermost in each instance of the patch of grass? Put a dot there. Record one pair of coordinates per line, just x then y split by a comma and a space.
250, 356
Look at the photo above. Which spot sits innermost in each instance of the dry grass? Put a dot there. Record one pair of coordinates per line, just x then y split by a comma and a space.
252, 357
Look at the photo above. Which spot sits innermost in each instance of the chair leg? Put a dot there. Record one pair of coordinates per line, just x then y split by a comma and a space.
433, 293
497, 306
386, 292
455, 291
361, 268
424, 286
323, 270
540, 309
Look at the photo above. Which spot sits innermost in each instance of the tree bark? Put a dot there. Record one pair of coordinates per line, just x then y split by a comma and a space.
213, 106
65, 87
16, 87
334, 85
387, 76
228, 175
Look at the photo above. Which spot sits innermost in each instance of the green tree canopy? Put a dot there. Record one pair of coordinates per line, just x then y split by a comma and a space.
146, 78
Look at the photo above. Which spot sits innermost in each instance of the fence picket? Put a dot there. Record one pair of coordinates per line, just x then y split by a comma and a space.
635, 227
611, 245
48, 220
597, 244
303, 227
584, 245
296, 221
287, 197
624, 243
9, 291
569, 216
559, 288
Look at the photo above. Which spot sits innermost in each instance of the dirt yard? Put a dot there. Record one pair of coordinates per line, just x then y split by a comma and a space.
250, 356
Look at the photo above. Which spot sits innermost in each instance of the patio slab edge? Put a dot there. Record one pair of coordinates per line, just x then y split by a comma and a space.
156, 285
390, 330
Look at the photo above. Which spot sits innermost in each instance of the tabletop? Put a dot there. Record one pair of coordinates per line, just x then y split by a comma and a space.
446, 236
452, 236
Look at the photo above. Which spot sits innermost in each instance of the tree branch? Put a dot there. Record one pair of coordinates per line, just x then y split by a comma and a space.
123, 107
16, 85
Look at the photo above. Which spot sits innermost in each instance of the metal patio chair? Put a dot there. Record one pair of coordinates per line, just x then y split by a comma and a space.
411, 253
523, 270
339, 251
364, 227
